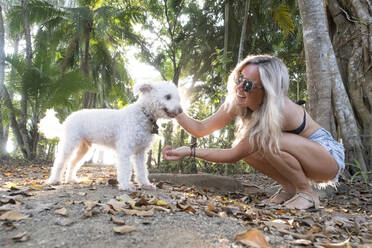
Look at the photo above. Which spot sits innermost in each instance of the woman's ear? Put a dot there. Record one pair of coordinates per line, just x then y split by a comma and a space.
142, 88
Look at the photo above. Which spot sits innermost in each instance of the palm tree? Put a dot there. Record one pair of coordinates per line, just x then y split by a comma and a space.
93, 33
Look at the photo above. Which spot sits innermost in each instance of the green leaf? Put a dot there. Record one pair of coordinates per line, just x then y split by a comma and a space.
283, 19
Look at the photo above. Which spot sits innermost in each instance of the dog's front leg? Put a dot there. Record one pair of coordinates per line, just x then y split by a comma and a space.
59, 166
124, 170
57, 172
141, 172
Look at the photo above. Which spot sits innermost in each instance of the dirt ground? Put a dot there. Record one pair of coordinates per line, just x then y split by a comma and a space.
184, 211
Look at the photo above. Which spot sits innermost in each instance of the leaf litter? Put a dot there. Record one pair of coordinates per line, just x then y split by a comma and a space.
344, 220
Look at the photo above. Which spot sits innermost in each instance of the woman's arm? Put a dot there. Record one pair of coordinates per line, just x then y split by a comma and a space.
204, 127
215, 155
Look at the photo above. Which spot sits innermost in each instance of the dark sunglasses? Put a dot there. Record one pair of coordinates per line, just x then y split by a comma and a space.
248, 85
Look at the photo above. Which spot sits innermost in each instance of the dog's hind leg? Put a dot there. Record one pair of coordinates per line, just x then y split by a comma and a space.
65, 149
141, 171
77, 161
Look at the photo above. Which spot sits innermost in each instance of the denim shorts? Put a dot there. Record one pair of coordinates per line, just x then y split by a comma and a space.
336, 149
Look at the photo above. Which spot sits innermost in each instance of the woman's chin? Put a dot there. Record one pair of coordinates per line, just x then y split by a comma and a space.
239, 102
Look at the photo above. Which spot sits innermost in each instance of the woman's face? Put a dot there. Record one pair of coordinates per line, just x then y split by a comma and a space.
252, 99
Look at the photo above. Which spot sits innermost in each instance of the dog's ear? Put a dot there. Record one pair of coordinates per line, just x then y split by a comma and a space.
141, 88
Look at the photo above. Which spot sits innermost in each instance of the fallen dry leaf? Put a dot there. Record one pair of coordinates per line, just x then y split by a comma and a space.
90, 212
252, 238
147, 213
210, 213
315, 229
64, 222
21, 237
85, 180
222, 214
278, 224
141, 202
61, 211
187, 209
116, 205
12, 216
335, 245
190, 209
123, 229
162, 209
8, 225
117, 220
37, 187
161, 203
301, 242
90, 204
21, 192
4, 201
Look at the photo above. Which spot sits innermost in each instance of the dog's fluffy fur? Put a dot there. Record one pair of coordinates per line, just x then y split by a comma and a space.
128, 131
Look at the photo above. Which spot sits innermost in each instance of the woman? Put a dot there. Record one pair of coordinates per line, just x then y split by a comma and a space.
274, 135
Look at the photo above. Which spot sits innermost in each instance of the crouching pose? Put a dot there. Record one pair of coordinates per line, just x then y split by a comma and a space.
129, 131
274, 135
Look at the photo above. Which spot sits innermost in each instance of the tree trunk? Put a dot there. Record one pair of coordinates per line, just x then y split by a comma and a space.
90, 98
226, 35
351, 33
24, 96
159, 155
328, 99
3, 137
244, 29
69, 51
7, 98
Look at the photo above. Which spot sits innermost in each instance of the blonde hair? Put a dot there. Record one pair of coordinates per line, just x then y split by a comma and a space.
262, 127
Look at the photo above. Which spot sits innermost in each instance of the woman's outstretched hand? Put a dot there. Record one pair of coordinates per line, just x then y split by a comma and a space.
174, 154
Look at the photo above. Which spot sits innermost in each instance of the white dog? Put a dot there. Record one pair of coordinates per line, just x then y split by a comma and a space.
128, 131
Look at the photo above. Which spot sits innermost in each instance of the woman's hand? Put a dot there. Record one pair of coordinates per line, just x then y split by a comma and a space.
175, 154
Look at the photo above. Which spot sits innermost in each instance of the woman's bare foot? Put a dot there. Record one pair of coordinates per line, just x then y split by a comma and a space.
279, 197
303, 200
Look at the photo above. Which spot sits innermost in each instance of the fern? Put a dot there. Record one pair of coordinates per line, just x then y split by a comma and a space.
283, 19
359, 172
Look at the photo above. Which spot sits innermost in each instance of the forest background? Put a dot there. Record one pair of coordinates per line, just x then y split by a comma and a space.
74, 54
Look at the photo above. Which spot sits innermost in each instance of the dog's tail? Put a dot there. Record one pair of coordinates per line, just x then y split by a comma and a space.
50, 125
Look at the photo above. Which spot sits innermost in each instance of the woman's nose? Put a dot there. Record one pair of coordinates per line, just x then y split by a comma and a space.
239, 86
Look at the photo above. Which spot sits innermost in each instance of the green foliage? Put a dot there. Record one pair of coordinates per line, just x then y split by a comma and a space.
283, 18
39, 11
361, 172
44, 83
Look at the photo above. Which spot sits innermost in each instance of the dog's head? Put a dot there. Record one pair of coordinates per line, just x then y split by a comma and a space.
160, 99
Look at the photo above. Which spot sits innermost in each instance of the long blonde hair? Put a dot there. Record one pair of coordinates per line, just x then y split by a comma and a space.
262, 127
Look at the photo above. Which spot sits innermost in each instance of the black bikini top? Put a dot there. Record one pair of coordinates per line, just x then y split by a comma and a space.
300, 128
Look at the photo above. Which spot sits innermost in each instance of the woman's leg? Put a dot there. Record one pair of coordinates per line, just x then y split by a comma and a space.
300, 159
260, 163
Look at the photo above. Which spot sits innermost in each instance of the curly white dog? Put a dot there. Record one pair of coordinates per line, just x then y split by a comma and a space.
129, 131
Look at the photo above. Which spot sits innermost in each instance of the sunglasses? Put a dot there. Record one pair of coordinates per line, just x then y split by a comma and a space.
248, 85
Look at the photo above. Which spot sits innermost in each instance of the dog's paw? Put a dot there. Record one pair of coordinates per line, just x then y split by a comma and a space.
127, 187
74, 180
52, 181
149, 186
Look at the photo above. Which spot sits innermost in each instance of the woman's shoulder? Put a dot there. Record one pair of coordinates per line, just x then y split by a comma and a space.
295, 115
292, 114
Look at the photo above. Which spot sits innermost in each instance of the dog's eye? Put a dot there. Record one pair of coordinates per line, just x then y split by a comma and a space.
168, 97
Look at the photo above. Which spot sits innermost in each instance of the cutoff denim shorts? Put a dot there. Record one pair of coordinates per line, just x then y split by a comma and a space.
336, 149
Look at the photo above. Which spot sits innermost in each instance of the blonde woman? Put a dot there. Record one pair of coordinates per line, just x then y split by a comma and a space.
274, 135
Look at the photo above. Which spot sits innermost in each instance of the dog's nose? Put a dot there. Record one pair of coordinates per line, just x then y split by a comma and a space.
180, 110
